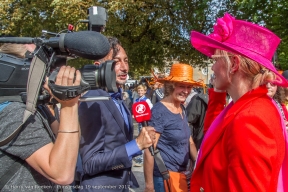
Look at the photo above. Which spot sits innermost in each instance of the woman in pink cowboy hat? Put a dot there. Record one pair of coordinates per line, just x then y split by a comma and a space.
245, 147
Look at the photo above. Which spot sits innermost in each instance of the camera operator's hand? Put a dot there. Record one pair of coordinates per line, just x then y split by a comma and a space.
146, 137
65, 77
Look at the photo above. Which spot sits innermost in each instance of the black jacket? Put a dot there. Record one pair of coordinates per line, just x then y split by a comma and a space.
196, 110
157, 95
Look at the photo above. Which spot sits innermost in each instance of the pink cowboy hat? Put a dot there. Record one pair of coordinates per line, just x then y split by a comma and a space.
243, 38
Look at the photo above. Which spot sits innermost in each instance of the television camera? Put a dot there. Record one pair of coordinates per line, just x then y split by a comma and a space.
17, 75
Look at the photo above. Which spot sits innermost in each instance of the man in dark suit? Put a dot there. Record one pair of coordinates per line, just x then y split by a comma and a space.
196, 111
107, 146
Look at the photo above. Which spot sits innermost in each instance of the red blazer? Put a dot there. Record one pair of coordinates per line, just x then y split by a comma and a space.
246, 149
217, 102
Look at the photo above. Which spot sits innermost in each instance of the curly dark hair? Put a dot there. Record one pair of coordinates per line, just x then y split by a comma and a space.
169, 87
114, 43
279, 95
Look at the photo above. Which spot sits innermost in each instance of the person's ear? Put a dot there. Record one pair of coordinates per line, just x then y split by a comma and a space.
96, 63
30, 47
235, 63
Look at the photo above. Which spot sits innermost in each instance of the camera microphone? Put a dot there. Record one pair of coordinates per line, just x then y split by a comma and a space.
87, 44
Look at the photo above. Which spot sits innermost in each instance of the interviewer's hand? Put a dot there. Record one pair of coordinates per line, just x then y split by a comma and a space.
149, 189
146, 138
65, 77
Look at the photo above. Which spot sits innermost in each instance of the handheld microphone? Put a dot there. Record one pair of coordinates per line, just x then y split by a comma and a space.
142, 114
87, 44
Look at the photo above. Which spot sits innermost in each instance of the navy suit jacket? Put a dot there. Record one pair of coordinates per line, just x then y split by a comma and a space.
106, 165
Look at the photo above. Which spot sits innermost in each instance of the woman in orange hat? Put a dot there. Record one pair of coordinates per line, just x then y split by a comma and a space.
245, 147
173, 138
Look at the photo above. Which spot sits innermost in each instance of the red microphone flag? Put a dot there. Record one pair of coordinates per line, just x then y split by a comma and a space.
141, 111
142, 114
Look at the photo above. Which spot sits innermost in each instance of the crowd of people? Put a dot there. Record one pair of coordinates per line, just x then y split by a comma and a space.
205, 142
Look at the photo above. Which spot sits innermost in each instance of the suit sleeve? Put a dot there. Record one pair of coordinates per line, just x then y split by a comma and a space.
97, 130
252, 152
216, 104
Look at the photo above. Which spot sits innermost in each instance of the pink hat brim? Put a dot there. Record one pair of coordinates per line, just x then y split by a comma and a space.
207, 46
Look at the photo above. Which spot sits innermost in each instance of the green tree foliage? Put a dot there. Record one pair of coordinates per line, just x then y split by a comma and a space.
269, 13
154, 32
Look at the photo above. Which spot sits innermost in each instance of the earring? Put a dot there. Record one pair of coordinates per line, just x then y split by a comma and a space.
231, 72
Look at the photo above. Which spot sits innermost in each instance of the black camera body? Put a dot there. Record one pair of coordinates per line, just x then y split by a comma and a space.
13, 74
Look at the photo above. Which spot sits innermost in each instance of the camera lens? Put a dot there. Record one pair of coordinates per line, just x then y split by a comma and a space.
100, 76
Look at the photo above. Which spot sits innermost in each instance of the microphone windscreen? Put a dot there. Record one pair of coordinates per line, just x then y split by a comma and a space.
141, 111
87, 44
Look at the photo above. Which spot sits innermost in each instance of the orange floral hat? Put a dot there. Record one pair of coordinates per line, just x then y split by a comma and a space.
182, 73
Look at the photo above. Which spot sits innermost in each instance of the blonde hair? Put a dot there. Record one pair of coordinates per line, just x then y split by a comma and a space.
17, 50
142, 87
252, 70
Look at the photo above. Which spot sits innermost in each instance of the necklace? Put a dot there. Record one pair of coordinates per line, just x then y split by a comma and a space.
281, 110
